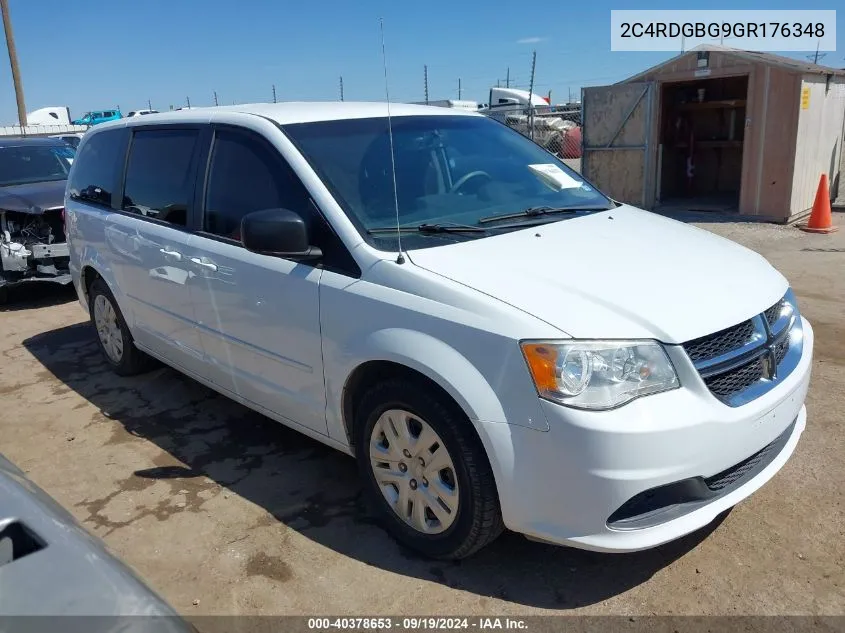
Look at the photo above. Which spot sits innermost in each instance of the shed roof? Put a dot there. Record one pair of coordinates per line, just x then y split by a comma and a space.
787, 63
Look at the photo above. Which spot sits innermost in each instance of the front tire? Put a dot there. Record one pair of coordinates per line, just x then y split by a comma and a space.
113, 335
425, 471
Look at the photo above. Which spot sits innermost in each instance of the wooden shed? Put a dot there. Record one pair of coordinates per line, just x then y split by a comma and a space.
718, 129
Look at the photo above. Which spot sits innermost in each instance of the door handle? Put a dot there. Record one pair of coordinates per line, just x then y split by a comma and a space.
175, 255
206, 265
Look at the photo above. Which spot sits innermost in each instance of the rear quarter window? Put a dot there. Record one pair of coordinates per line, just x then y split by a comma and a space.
96, 168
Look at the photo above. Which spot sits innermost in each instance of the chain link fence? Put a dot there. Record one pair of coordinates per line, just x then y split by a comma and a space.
556, 128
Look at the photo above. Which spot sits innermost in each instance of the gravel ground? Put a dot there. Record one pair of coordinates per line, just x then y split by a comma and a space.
225, 512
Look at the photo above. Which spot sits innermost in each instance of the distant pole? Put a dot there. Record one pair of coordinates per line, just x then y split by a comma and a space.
550, 97
341, 87
188, 99
425, 79
498, 83
459, 88
818, 55
149, 104
570, 95
13, 61
508, 78
215, 98
530, 91
274, 93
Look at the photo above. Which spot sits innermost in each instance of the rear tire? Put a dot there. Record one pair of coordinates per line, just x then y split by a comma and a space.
113, 335
450, 504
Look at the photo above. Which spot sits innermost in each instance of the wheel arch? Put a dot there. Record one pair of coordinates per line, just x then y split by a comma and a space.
423, 357
93, 268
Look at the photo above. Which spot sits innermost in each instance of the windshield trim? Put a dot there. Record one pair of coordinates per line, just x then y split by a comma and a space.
359, 226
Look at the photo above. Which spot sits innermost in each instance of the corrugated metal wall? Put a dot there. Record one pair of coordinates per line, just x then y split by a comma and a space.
819, 141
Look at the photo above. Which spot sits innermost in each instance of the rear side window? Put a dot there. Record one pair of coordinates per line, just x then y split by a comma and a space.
160, 175
246, 175
95, 167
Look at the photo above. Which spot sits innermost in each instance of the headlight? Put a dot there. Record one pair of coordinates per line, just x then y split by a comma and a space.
598, 374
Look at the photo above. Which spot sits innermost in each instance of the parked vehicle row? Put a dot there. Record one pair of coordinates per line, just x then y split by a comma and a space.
498, 343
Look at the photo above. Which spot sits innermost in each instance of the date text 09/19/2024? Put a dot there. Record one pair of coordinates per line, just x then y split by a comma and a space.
416, 623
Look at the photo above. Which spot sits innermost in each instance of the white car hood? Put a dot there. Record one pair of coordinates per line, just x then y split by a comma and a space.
624, 273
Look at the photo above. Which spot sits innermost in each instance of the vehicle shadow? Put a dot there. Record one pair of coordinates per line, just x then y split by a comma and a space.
314, 489
29, 296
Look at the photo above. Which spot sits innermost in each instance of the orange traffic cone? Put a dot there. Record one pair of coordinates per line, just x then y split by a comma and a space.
820, 217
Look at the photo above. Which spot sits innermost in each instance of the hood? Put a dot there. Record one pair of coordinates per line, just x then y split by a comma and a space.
623, 273
35, 197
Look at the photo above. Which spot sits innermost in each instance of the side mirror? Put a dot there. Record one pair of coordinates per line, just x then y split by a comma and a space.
278, 232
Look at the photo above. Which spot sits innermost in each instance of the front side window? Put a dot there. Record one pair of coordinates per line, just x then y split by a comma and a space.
95, 167
449, 169
246, 175
160, 175
22, 164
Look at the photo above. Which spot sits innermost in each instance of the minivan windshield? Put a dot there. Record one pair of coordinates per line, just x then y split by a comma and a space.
23, 164
452, 171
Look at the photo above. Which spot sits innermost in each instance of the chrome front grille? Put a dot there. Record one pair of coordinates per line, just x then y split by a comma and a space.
742, 362
726, 384
721, 342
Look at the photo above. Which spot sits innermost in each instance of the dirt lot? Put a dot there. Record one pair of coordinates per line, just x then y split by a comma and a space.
211, 502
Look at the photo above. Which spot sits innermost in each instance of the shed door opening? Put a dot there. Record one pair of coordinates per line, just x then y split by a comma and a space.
702, 127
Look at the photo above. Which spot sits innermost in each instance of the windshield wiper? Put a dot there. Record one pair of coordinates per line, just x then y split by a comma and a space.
429, 228
533, 212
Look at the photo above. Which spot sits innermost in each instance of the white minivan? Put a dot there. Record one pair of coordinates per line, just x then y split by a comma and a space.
499, 344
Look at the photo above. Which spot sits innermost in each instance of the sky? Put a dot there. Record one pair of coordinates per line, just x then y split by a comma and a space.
90, 55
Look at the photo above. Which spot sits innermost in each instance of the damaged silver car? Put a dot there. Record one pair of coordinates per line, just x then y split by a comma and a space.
33, 174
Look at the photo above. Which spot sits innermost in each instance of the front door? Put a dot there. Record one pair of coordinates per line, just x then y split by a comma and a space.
149, 242
258, 315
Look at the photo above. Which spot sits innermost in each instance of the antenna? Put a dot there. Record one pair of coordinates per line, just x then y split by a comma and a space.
401, 258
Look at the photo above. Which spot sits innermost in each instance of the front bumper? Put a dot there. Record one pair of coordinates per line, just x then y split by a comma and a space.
562, 486
47, 262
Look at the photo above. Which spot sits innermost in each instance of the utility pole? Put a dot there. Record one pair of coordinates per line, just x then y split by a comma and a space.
341, 87
274, 93
188, 99
149, 104
530, 91
13, 61
817, 56
508, 78
425, 79
459, 88
215, 98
